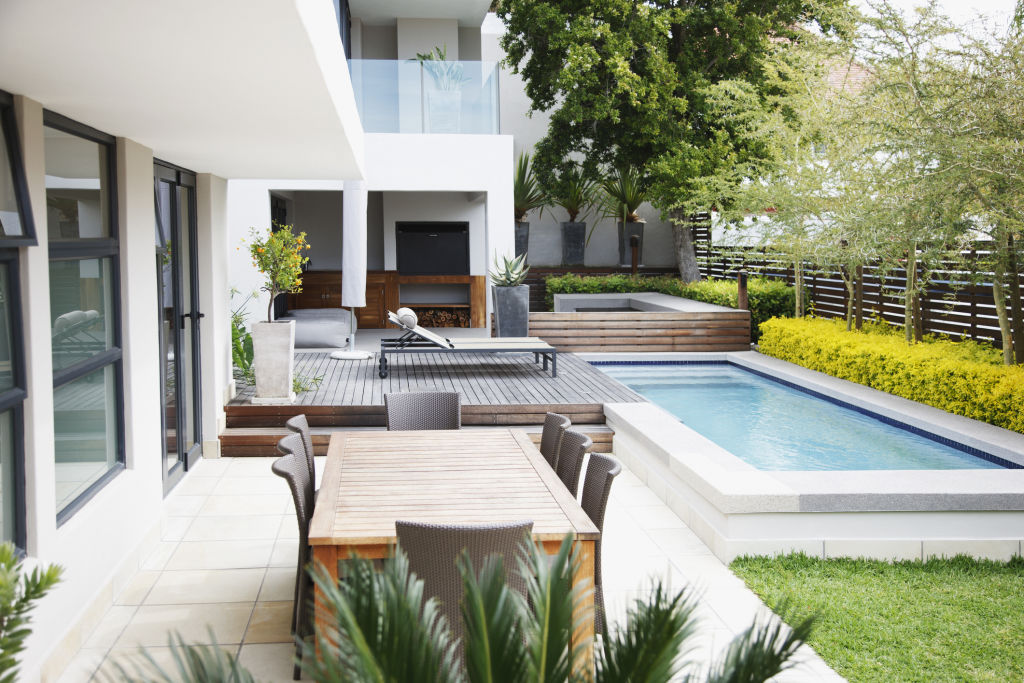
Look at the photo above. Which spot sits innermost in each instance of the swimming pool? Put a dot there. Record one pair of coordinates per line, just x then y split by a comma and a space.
776, 427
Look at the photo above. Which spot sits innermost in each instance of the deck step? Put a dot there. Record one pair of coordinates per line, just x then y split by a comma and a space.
373, 415
262, 441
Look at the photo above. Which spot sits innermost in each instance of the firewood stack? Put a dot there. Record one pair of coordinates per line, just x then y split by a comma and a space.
443, 317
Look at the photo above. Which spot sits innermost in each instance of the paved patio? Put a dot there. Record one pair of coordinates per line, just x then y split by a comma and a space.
227, 556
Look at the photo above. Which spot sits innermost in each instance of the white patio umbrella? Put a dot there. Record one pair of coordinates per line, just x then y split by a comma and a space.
353, 262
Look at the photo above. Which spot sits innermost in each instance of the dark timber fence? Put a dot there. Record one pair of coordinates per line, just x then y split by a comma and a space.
957, 301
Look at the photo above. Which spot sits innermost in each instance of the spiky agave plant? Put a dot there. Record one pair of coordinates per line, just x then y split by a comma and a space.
511, 273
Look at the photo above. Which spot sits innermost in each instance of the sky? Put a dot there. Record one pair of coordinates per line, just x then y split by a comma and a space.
964, 11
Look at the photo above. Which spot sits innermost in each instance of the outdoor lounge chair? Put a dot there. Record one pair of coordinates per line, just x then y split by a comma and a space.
418, 340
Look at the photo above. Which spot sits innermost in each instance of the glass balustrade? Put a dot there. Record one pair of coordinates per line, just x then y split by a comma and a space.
409, 96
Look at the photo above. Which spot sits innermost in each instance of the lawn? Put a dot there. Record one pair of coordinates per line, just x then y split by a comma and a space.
943, 620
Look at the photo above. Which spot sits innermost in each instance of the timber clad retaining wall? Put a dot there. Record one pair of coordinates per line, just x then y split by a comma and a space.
643, 331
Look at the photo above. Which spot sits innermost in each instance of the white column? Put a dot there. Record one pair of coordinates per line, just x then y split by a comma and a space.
214, 302
353, 250
40, 467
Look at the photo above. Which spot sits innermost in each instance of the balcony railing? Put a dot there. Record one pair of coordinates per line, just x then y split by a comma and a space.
408, 96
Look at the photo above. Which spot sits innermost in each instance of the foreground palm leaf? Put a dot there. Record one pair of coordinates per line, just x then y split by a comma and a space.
762, 651
195, 662
494, 647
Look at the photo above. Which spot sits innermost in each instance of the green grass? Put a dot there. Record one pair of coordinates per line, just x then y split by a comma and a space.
942, 620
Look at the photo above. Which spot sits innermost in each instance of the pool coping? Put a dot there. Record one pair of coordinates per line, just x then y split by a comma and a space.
715, 488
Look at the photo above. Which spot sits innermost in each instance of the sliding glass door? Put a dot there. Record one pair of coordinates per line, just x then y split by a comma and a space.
178, 301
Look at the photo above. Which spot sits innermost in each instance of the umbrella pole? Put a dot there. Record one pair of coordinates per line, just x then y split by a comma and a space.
351, 353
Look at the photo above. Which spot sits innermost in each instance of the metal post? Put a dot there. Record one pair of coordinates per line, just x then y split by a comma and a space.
742, 301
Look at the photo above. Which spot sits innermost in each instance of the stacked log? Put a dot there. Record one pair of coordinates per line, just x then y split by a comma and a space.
443, 317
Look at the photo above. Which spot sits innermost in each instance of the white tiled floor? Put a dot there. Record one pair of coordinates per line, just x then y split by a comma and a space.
225, 566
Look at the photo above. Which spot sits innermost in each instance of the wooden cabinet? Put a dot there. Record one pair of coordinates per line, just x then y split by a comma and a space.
320, 289
381, 297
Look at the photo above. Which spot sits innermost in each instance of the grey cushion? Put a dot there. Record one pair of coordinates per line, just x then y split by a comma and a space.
321, 313
319, 327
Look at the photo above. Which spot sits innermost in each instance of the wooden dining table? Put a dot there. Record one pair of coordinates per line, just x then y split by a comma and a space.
374, 478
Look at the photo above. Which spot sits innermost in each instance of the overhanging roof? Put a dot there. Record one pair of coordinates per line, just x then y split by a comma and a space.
377, 12
237, 88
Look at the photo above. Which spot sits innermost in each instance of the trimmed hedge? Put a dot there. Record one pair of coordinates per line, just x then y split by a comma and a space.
768, 298
965, 378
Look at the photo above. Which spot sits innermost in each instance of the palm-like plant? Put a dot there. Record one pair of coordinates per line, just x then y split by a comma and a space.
527, 194
623, 191
574, 192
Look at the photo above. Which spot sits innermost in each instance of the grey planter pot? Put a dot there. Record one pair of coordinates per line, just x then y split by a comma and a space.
511, 311
573, 242
626, 231
522, 237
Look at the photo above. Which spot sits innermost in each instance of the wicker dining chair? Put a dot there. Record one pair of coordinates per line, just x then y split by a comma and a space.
423, 410
299, 425
433, 550
292, 467
551, 438
601, 471
570, 458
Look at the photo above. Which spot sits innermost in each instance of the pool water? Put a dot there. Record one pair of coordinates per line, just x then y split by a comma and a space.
775, 427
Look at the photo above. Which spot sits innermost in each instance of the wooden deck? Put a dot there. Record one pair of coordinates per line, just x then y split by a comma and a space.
496, 389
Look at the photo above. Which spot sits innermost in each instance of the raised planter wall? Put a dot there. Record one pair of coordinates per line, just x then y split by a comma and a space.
635, 331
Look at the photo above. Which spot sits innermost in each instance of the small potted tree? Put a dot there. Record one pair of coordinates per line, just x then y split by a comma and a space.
526, 196
511, 297
444, 101
278, 256
623, 191
575, 193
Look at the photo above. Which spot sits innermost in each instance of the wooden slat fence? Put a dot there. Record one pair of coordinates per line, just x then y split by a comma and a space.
957, 302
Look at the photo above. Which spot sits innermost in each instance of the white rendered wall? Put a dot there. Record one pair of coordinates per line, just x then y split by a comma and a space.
214, 300
100, 542
420, 36
545, 230
438, 206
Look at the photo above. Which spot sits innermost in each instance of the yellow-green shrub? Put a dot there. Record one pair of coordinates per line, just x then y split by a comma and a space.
965, 378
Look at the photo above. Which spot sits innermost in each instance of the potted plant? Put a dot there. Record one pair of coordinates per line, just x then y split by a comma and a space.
623, 192
575, 193
444, 101
526, 196
511, 297
278, 256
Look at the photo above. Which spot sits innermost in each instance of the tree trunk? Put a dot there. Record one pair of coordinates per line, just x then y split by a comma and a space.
686, 254
909, 294
851, 293
1015, 304
798, 283
999, 296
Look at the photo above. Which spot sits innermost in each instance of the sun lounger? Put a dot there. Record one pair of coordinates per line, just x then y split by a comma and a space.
419, 340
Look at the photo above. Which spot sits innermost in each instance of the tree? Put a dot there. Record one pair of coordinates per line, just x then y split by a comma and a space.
628, 83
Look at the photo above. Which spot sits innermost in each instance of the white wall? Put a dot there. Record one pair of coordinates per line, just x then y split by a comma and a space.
545, 230
420, 36
438, 206
213, 250
378, 42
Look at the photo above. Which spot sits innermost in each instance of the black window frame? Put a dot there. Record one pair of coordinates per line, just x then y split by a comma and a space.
81, 250
13, 399
9, 129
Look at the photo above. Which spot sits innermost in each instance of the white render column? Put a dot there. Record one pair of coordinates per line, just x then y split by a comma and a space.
353, 244
214, 302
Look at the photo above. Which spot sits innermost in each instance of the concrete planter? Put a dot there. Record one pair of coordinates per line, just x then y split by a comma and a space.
444, 111
574, 237
627, 230
273, 346
511, 311
522, 237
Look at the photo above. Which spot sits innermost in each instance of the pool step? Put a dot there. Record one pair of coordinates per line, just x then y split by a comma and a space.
262, 441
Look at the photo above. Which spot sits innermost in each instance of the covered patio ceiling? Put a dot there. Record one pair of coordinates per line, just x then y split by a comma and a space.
233, 88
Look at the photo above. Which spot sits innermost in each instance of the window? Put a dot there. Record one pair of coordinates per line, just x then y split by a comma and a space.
16, 229
16, 226
84, 308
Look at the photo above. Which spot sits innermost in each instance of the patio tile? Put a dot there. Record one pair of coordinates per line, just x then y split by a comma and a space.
111, 626
201, 586
655, 517
278, 584
632, 496
286, 552
235, 528
240, 486
152, 624
248, 467
174, 528
210, 467
270, 623
678, 542
137, 588
136, 666
183, 506
157, 558
221, 554
289, 527
83, 666
220, 505
196, 486
273, 661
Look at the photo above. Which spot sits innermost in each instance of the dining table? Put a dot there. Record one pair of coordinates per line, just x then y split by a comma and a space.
461, 476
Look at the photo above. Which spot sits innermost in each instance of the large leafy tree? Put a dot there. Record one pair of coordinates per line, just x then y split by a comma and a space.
631, 83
